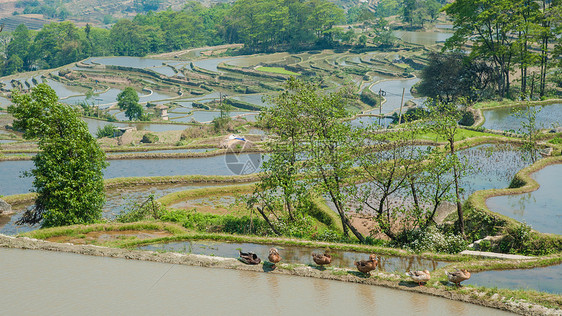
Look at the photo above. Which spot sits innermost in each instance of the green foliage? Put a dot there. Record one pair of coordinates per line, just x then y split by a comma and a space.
431, 240
277, 70
467, 118
149, 138
360, 13
307, 123
449, 76
106, 131
266, 24
149, 209
369, 97
417, 12
217, 223
127, 100
411, 115
68, 174
530, 132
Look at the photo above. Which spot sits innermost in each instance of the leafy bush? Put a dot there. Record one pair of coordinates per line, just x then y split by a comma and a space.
217, 223
431, 240
369, 97
147, 210
467, 118
149, 138
106, 131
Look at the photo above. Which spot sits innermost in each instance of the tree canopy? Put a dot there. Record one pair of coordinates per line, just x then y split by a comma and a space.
259, 25
68, 175
128, 100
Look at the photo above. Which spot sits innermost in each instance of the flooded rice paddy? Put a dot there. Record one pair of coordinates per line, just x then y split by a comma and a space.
296, 255
87, 284
506, 119
422, 38
117, 200
542, 209
492, 166
223, 165
546, 279
393, 93
94, 124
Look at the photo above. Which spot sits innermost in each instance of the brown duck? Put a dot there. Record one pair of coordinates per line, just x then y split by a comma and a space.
274, 256
366, 266
419, 276
458, 276
321, 259
249, 257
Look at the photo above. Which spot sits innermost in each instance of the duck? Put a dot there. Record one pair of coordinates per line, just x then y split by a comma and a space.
274, 256
321, 259
419, 276
249, 257
458, 276
366, 266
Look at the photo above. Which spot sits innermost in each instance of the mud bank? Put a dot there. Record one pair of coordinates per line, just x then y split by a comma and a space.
380, 279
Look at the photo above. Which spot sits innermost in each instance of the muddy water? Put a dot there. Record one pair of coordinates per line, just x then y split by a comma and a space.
505, 119
542, 209
547, 279
293, 254
46, 283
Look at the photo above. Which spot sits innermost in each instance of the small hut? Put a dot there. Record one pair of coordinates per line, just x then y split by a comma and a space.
162, 111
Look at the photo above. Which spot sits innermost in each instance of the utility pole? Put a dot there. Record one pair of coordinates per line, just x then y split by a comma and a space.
380, 106
401, 105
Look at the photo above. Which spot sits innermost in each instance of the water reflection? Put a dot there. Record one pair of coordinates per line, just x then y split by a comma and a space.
506, 119
89, 283
393, 93
224, 165
302, 255
542, 209
546, 279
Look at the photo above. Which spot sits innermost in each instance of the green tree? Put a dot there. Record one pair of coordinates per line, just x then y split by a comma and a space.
68, 173
531, 132
330, 146
128, 100
489, 26
389, 168
443, 121
19, 45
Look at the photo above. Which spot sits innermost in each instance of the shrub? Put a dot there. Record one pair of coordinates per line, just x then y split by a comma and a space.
149, 138
431, 240
147, 210
106, 131
217, 223
467, 118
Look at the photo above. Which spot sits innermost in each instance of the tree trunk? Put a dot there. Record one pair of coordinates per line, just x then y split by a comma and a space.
267, 220
457, 192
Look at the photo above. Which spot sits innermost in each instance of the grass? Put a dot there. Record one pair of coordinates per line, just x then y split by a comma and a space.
78, 230
204, 192
278, 70
462, 134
